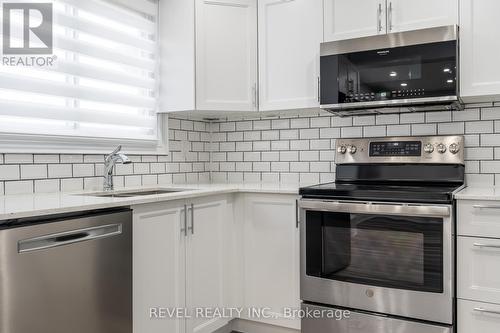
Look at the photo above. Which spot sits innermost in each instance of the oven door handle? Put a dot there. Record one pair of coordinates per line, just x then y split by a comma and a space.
375, 208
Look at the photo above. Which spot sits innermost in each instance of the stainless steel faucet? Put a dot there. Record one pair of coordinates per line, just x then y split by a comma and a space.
109, 165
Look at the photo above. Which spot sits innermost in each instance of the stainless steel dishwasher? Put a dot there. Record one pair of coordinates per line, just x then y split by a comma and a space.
70, 273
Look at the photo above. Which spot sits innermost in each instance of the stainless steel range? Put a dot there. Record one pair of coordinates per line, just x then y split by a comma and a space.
379, 241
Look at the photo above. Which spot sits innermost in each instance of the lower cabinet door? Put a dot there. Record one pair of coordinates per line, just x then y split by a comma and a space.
478, 317
271, 268
478, 273
158, 266
205, 259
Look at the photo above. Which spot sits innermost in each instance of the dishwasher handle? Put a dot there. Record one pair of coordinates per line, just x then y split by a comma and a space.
68, 237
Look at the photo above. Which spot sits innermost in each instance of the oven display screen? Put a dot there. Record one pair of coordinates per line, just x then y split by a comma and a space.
396, 148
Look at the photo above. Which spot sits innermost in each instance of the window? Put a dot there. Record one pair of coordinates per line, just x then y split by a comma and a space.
103, 86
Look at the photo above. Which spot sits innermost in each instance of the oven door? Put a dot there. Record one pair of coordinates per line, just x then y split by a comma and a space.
393, 259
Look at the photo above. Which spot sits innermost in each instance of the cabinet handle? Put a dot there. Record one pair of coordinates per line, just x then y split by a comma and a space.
389, 17
192, 220
297, 220
184, 230
485, 207
319, 90
486, 311
379, 12
254, 95
486, 246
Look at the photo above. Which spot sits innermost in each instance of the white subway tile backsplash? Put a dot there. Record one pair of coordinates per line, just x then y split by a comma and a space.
10, 172
33, 171
478, 153
47, 185
280, 123
72, 184
251, 156
83, 170
423, 129
411, 118
72, 158
309, 155
439, 116
474, 127
374, 131
262, 125
320, 122
289, 156
299, 145
299, 166
329, 133
299, 123
490, 166
251, 136
398, 130
309, 134
270, 135
466, 115
351, 132
320, 167
280, 166
490, 113
490, 140
387, 119
289, 178
261, 166
18, 158
262, 145
456, 128
320, 144
40, 159
363, 120
280, 145
18, 187
244, 126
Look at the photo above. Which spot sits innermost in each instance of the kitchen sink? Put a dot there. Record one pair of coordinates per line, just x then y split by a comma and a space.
129, 194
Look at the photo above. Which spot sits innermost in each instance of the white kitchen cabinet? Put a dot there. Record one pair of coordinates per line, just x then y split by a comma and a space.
479, 269
206, 264
345, 19
290, 33
478, 218
479, 48
405, 15
226, 55
177, 56
271, 246
185, 269
158, 265
477, 317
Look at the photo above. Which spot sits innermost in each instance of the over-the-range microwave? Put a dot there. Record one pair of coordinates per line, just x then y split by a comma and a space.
397, 72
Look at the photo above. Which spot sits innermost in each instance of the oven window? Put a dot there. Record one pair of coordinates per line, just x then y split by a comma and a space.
379, 250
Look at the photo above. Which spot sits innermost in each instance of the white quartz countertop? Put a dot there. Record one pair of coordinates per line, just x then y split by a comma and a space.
39, 204
490, 193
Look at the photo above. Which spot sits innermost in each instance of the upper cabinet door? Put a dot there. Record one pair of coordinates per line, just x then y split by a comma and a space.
479, 49
405, 15
346, 19
290, 33
226, 55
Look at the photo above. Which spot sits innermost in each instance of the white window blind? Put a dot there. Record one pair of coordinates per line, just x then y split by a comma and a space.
103, 83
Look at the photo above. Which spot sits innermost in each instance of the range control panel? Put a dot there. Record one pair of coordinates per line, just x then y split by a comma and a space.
430, 149
396, 148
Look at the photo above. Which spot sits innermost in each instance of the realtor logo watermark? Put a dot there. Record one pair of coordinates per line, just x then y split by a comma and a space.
28, 34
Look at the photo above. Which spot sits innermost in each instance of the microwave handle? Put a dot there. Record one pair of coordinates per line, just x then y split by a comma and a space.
375, 209
379, 17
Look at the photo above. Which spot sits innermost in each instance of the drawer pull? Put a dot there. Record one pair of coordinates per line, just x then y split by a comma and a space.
486, 311
486, 207
487, 246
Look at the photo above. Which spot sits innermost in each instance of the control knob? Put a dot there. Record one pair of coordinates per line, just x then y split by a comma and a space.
454, 148
342, 149
353, 149
429, 148
441, 148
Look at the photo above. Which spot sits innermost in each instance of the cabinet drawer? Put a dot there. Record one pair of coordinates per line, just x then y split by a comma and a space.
478, 317
479, 218
479, 269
